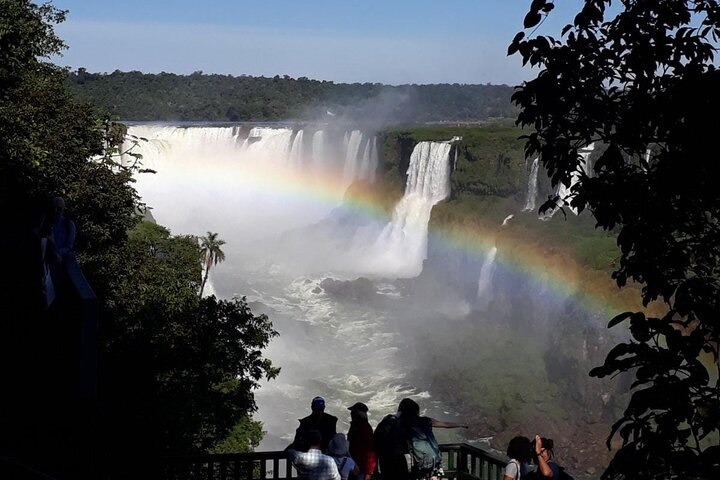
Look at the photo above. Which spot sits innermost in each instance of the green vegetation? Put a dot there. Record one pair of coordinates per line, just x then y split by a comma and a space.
200, 97
211, 254
194, 361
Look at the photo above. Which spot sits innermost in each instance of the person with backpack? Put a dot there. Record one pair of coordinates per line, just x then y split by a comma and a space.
338, 450
406, 446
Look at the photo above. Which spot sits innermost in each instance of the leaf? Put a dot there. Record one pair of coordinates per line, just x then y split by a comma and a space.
531, 19
619, 318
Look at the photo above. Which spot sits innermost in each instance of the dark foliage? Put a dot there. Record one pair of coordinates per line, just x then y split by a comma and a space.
178, 368
645, 84
176, 371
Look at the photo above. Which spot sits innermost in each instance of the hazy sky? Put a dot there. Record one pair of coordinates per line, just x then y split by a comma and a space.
390, 41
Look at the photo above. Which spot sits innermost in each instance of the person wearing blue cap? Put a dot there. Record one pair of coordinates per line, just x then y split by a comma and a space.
318, 420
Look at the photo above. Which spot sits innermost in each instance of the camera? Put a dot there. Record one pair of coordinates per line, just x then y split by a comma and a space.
547, 443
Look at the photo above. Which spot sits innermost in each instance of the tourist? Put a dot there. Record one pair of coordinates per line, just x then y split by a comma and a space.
362, 444
520, 452
313, 464
318, 420
338, 450
406, 446
544, 455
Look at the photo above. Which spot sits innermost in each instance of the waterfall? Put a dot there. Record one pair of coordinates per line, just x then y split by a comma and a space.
373, 160
296, 151
402, 245
351, 156
485, 278
532, 186
564, 191
269, 144
255, 173
318, 151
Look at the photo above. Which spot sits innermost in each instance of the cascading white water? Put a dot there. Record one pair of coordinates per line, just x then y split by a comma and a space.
351, 156
373, 160
563, 191
258, 172
268, 143
319, 155
532, 186
364, 170
486, 271
402, 245
296, 151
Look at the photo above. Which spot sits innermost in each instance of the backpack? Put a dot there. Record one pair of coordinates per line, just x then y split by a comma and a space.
389, 440
423, 448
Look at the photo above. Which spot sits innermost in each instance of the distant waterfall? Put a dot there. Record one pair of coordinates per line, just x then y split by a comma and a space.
485, 278
348, 155
319, 155
564, 191
351, 156
373, 160
532, 186
296, 151
261, 167
272, 144
369, 160
402, 245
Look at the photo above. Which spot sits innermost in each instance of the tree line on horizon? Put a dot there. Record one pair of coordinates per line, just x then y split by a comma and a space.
211, 97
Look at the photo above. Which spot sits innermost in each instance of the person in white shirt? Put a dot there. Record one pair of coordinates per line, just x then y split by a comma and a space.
313, 464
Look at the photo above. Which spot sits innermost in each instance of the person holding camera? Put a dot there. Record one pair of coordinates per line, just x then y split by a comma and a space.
547, 468
521, 452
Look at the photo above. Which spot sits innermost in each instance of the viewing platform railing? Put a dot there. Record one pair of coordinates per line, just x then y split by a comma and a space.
460, 461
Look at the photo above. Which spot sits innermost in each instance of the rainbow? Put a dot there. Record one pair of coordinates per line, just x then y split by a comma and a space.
593, 290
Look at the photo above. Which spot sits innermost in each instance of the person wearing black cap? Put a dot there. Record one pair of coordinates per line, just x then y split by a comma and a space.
318, 420
362, 445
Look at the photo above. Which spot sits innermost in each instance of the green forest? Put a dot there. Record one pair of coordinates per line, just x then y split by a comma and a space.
137, 96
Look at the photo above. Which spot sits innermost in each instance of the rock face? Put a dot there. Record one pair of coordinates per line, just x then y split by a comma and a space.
357, 290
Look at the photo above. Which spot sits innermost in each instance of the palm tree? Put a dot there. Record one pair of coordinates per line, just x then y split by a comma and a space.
211, 254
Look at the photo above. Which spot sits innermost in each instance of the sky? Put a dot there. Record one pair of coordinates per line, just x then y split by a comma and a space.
390, 41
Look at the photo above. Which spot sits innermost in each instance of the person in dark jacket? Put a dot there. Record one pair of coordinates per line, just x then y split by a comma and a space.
318, 420
362, 445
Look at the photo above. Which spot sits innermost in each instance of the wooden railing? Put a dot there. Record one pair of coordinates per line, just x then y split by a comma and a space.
465, 462
461, 462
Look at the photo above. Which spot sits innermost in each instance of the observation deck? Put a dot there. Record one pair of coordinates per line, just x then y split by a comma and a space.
460, 462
